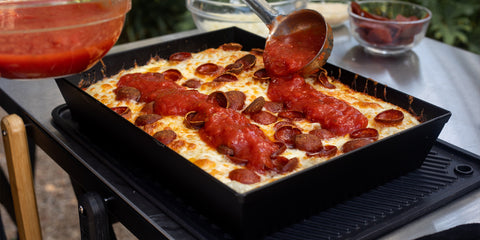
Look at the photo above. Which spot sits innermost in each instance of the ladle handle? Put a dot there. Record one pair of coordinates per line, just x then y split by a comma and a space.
263, 10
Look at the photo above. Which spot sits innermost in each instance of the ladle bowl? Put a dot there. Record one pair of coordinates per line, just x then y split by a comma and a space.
300, 20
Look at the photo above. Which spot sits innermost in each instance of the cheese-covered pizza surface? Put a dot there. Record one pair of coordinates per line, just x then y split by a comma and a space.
220, 109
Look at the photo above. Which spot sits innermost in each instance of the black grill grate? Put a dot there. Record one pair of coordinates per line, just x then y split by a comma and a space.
448, 172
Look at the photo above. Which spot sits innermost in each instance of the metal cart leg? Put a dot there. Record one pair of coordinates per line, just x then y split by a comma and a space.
94, 222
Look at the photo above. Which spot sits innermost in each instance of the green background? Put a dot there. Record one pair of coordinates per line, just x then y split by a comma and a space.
456, 23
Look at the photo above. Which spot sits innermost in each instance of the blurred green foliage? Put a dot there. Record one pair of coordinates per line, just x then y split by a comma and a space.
454, 22
150, 18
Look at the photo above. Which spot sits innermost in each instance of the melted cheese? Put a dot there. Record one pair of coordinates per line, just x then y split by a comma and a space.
188, 142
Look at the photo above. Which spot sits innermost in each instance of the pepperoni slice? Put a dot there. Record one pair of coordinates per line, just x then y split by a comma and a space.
286, 134
255, 106
308, 142
209, 69
165, 136
231, 47
261, 75
322, 133
292, 115
247, 61
146, 119
224, 149
244, 176
327, 151
192, 83
356, 143
365, 133
391, 116
236, 99
234, 68
281, 124
172, 75
123, 111
226, 77
257, 51
323, 80
127, 93
281, 147
180, 56
219, 98
274, 107
148, 108
263, 117
284, 165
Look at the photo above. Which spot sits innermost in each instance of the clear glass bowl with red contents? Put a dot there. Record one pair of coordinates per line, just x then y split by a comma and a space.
51, 38
388, 27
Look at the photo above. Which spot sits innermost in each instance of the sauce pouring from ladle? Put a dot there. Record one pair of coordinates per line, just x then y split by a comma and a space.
300, 42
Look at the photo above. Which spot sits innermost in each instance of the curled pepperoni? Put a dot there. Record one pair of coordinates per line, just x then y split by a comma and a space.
172, 75
226, 77
323, 79
281, 147
209, 69
284, 165
261, 75
231, 47
236, 99
286, 134
165, 136
148, 108
327, 151
257, 51
356, 143
123, 111
238, 160
127, 93
281, 124
322, 133
219, 98
194, 120
390, 116
247, 61
244, 176
292, 115
365, 133
224, 149
308, 142
180, 56
255, 106
274, 107
263, 117
192, 83
234, 68
146, 119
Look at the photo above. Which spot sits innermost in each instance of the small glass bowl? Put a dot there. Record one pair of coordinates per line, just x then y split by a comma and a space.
210, 15
51, 38
335, 12
394, 36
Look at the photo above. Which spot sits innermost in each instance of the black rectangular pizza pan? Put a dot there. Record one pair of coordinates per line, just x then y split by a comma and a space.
259, 212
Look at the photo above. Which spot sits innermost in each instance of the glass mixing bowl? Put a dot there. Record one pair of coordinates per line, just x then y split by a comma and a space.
49, 38
211, 15
397, 27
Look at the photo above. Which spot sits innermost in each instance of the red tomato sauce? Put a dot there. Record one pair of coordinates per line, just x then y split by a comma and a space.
222, 126
26, 53
288, 54
333, 114
284, 57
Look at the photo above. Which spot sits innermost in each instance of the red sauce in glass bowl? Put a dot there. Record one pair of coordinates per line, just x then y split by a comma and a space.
56, 40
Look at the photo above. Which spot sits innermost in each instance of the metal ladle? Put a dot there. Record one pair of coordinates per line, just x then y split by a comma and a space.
298, 20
